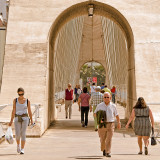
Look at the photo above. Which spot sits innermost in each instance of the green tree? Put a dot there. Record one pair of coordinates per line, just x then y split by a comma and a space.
95, 71
100, 73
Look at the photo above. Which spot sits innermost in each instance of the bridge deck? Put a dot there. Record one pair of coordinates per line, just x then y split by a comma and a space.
66, 139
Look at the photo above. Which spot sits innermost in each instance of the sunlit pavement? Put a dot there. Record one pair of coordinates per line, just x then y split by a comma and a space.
66, 139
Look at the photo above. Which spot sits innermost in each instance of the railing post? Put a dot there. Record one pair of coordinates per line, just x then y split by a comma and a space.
35, 113
38, 110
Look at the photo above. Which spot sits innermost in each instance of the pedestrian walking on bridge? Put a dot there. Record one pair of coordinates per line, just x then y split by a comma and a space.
92, 88
68, 101
75, 94
83, 102
106, 131
21, 109
114, 92
142, 125
96, 98
106, 89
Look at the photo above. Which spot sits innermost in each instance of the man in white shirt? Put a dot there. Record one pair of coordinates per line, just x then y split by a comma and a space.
106, 134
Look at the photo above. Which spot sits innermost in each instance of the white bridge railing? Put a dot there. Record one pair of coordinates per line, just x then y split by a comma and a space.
3, 106
59, 96
152, 103
35, 115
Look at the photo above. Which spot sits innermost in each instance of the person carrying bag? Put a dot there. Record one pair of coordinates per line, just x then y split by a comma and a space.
20, 112
143, 122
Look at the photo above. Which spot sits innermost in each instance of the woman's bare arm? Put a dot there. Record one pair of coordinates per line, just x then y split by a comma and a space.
29, 111
151, 117
13, 112
131, 118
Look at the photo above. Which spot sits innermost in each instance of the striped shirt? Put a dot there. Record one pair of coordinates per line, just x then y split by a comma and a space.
96, 98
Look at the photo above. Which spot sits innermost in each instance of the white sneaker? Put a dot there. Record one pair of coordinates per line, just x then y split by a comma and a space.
18, 148
22, 151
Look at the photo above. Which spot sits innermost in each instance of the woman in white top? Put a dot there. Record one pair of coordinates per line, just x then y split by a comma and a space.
92, 88
79, 91
21, 109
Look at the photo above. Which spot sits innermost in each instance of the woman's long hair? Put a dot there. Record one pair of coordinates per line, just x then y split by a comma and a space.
140, 103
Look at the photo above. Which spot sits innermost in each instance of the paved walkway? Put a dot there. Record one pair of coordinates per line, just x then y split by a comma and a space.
66, 139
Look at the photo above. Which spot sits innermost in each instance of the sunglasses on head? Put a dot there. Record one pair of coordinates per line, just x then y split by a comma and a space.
106, 97
21, 94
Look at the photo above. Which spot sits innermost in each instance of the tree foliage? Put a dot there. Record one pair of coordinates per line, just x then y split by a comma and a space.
92, 71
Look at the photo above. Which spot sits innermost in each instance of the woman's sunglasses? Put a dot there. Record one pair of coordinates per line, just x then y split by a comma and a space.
21, 94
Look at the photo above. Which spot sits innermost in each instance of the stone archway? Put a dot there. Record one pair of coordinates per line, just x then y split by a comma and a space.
102, 10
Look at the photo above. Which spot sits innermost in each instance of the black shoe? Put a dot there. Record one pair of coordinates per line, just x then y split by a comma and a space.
66, 117
140, 152
146, 150
104, 153
96, 129
108, 155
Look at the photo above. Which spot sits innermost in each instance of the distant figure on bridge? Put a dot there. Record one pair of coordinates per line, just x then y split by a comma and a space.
114, 92
83, 102
19, 112
92, 88
106, 130
96, 99
79, 91
142, 125
88, 87
102, 91
106, 89
102, 86
75, 94
1, 17
68, 101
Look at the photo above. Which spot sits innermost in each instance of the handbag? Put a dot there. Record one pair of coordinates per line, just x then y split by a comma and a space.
153, 140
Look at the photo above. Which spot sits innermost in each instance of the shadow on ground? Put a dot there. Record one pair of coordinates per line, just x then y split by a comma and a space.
75, 125
87, 157
71, 125
8, 155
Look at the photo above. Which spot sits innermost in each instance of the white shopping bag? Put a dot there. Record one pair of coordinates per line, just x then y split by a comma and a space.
9, 136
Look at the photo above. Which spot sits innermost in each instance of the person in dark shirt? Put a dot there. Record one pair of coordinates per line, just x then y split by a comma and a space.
75, 94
